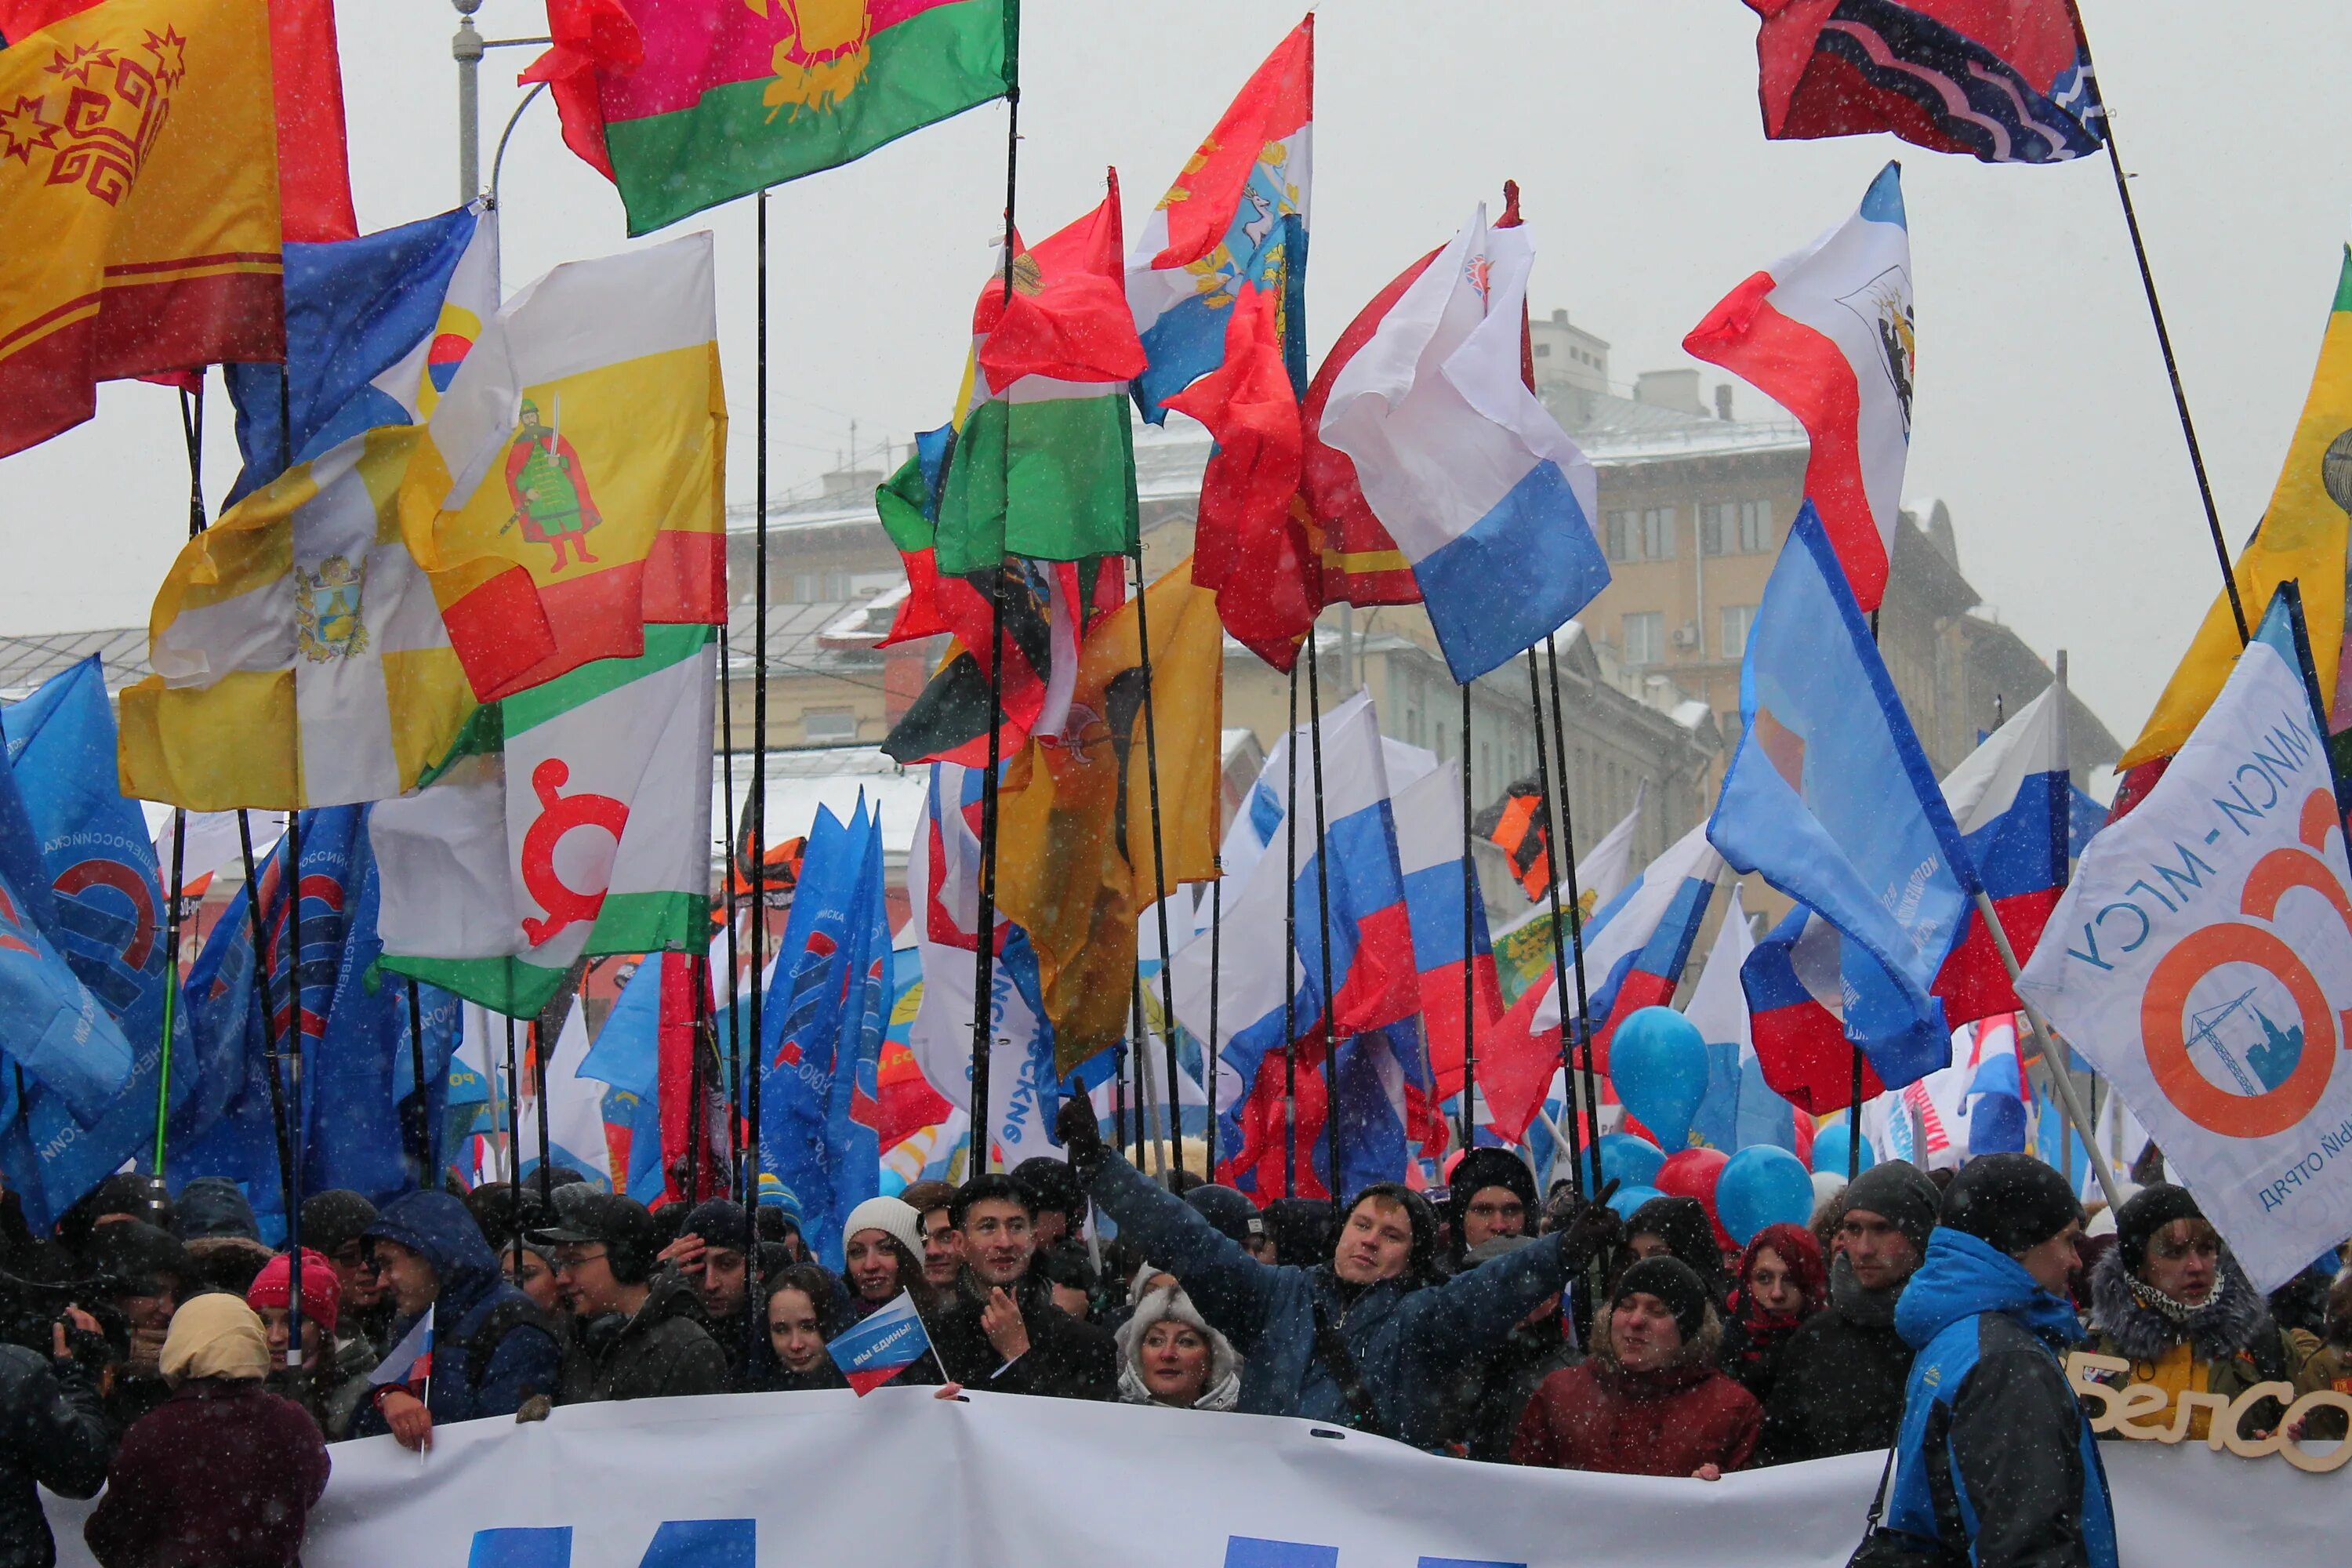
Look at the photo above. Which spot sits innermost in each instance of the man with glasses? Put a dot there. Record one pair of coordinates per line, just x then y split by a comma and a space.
641, 1335
1490, 1193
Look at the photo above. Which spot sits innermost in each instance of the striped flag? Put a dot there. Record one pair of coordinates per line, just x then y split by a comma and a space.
878, 1348
410, 1363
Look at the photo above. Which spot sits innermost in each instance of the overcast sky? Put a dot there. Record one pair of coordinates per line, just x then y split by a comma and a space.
2043, 415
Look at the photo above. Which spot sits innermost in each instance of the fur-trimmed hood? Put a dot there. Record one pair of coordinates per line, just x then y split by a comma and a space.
1701, 1354
1223, 1389
2220, 1330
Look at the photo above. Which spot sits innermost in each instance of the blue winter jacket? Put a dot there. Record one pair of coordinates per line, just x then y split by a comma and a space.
1404, 1343
525, 1360
1994, 1457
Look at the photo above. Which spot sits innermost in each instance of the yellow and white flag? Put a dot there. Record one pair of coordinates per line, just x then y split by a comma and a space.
299, 657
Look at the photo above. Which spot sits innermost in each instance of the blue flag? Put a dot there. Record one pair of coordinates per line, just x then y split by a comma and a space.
822, 1031
370, 323
351, 1027
1830, 799
107, 904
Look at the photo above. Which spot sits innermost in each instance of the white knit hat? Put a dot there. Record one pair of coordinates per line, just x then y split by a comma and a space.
890, 1216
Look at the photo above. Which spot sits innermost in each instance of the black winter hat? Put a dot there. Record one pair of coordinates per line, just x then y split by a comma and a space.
2010, 1202
621, 1226
335, 1218
1050, 1184
721, 1222
1900, 1191
1483, 1168
210, 1207
1235, 1217
1672, 1281
2144, 1214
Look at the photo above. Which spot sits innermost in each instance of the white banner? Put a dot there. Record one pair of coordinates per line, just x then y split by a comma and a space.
904, 1480
2201, 960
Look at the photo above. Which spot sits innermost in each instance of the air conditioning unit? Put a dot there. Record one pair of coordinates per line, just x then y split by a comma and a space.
1686, 636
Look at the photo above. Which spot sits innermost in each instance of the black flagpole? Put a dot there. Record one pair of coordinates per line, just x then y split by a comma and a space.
1209, 1063
296, 1127
1570, 1025
192, 426
424, 1140
514, 1145
981, 1156
756, 809
261, 956
1158, 859
736, 1087
1323, 902
1469, 944
1591, 1133
539, 1049
2164, 344
1290, 953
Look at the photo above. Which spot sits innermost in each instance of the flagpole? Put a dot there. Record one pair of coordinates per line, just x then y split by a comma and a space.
1558, 854
2052, 1050
2163, 336
424, 1140
736, 1087
1323, 926
1216, 956
514, 1147
1290, 949
539, 1082
1144, 1096
981, 1158
1592, 1129
1853, 1100
192, 427
1469, 944
697, 1094
298, 1126
756, 809
268, 1012
1159, 847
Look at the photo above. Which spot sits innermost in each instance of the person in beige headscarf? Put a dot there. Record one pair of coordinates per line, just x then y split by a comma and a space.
223, 1473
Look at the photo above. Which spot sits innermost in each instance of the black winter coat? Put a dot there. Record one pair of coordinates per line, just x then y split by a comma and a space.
1837, 1384
53, 1434
661, 1349
1066, 1359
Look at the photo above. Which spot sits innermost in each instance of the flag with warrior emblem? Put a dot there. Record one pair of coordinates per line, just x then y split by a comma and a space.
568, 494
573, 818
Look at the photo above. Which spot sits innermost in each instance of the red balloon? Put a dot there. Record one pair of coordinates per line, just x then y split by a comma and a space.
1692, 1173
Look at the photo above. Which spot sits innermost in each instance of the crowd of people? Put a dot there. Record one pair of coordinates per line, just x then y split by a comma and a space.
147, 1338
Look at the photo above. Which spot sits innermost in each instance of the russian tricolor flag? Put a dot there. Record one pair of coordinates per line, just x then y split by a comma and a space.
1484, 495
1375, 980
890, 1340
2010, 799
1436, 894
1828, 334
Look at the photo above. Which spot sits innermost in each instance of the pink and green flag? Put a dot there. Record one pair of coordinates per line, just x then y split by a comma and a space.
687, 104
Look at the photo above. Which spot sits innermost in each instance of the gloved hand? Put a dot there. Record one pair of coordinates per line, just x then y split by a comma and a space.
1080, 1135
1594, 1227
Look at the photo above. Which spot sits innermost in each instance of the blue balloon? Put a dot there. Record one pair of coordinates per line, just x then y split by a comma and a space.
1625, 1200
1658, 1062
1628, 1161
1762, 1185
1829, 1145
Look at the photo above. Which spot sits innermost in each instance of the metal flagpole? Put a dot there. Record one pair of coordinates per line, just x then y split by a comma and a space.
1290, 953
514, 1146
735, 1084
1158, 851
1592, 1091
1469, 944
2163, 338
262, 999
1209, 1068
1570, 1026
2052, 1050
297, 1121
756, 809
1323, 926
539, 1048
192, 426
424, 1098
981, 1158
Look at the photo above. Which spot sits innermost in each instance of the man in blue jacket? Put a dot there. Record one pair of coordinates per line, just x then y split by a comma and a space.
1995, 1459
492, 1348
1367, 1338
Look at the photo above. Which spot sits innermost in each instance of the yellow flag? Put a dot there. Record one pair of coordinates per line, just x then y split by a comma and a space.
2302, 538
300, 659
1074, 858
139, 220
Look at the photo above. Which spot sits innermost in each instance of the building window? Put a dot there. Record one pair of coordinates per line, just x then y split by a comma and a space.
1645, 535
1755, 527
1543, 351
829, 727
1645, 638
1738, 620
1735, 528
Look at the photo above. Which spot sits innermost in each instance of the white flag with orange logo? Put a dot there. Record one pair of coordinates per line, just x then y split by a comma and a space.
2201, 960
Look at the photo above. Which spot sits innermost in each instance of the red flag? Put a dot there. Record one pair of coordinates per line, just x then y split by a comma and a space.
587, 35
677, 1036
1250, 547
314, 173
1068, 316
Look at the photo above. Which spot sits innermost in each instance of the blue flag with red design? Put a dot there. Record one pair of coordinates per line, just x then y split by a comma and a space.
826, 1010
106, 921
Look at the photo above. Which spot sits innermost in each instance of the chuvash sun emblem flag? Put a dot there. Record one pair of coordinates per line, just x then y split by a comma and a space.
2201, 960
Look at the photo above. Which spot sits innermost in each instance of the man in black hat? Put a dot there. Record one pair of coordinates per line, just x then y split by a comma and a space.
1491, 1192
712, 1253
1837, 1384
1996, 1462
639, 1337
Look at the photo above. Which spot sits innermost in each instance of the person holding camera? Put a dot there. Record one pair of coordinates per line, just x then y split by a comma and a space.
53, 1434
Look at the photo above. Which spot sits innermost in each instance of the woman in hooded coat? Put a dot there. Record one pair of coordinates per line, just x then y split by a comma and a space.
1169, 1355
1782, 1282
223, 1474
2172, 1301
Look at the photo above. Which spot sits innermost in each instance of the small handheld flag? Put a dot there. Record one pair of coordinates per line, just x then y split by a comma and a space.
885, 1345
410, 1363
